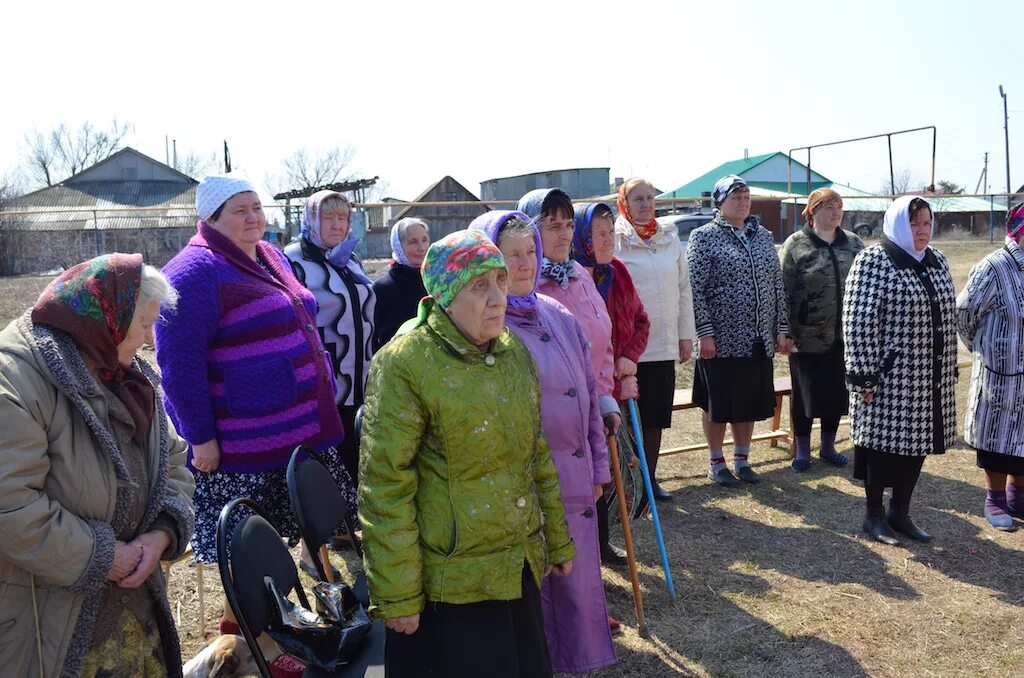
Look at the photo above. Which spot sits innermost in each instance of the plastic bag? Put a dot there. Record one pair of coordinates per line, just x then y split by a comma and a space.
328, 642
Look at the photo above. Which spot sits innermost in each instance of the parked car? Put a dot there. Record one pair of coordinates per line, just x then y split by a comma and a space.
685, 223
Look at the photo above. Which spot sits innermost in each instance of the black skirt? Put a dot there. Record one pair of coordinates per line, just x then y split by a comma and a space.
1000, 463
819, 384
656, 386
884, 469
494, 638
735, 389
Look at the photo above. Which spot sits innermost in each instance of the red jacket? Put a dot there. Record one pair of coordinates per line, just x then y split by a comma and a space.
630, 325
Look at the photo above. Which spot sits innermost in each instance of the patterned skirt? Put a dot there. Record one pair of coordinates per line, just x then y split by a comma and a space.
269, 489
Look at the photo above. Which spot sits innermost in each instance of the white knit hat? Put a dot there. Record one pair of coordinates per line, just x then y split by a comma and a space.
215, 190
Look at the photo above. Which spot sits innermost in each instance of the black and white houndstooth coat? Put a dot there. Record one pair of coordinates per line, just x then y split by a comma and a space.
899, 328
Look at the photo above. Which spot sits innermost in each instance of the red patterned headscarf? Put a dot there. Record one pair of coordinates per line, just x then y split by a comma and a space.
645, 231
94, 303
1015, 221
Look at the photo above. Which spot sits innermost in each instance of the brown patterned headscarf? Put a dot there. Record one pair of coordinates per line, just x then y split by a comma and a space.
818, 198
94, 302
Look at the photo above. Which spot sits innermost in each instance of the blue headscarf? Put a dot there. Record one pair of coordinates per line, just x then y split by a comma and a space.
532, 204
583, 247
491, 223
340, 254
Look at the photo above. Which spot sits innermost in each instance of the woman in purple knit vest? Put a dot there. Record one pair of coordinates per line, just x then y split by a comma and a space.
244, 371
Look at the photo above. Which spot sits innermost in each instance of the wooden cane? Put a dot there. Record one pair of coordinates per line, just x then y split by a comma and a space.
627, 534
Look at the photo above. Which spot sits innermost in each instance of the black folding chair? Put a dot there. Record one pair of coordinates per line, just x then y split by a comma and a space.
257, 551
319, 507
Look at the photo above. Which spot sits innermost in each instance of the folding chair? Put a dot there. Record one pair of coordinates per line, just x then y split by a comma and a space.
319, 507
257, 551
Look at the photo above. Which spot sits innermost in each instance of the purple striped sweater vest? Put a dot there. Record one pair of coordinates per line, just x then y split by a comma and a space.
241, 358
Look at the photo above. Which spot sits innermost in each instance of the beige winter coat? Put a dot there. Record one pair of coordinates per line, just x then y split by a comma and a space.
64, 491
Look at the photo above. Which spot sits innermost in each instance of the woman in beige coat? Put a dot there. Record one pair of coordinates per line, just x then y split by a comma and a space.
93, 487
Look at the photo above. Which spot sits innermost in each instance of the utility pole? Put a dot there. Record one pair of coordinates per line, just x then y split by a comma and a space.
983, 179
1006, 132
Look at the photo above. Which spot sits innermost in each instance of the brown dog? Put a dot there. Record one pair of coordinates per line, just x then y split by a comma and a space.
224, 657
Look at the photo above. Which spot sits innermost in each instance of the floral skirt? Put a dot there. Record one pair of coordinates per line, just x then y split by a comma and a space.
269, 489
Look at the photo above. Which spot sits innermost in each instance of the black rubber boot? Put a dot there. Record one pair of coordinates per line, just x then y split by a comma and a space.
899, 509
875, 525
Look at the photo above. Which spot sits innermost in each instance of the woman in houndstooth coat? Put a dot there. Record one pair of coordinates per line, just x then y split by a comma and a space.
899, 328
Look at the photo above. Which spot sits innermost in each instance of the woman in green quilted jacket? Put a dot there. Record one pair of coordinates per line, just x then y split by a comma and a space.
458, 496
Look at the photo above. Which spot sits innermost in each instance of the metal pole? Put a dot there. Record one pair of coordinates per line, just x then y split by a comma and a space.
935, 142
991, 217
892, 174
1006, 133
96, 229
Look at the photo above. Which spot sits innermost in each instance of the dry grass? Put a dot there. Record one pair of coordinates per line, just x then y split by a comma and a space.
775, 579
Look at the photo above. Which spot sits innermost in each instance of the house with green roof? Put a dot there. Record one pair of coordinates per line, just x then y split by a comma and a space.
770, 171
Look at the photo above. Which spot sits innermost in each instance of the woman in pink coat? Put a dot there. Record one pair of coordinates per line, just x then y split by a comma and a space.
575, 615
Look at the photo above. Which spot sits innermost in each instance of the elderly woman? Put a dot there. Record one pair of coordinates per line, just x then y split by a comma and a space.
739, 301
400, 289
245, 375
94, 492
322, 260
656, 260
568, 283
575, 616
459, 497
593, 247
899, 330
990, 320
815, 262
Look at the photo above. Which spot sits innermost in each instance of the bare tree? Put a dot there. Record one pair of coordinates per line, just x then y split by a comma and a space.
62, 152
904, 180
305, 169
197, 165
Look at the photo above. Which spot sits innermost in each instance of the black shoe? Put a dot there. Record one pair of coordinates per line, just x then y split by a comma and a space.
748, 475
879, 530
901, 522
613, 555
659, 494
723, 477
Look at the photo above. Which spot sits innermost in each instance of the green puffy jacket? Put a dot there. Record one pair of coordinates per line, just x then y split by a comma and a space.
456, 484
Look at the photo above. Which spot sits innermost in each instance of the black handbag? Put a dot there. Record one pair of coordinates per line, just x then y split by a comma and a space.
328, 641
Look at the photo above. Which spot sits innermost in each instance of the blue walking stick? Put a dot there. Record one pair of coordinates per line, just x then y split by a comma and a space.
635, 420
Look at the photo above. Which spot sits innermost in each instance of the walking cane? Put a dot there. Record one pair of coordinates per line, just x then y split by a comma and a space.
635, 419
627, 534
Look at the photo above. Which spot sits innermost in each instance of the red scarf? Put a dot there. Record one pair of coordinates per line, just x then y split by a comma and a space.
645, 231
94, 302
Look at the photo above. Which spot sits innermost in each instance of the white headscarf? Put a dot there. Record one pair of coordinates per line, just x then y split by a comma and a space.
215, 190
398, 237
896, 225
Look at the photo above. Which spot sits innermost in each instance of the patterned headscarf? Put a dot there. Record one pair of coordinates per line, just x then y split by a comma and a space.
816, 199
491, 223
94, 302
532, 205
645, 231
896, 225
725, 187
454, 260
340, 254
1015, 221
215, 190
398, 234
583, 247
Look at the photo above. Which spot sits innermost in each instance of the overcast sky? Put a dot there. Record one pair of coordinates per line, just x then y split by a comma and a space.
665, 90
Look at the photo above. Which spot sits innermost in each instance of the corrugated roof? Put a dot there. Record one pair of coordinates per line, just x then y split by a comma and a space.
706, 182
856, 200
169, 204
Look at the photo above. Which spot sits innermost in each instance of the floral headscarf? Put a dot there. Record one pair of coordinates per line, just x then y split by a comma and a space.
454, 260
94, 303
1015, 221
491, 223
583, 247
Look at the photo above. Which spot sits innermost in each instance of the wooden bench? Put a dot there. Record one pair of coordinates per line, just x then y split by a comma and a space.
683, 400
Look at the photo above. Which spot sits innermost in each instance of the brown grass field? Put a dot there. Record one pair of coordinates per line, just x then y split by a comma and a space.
776, 579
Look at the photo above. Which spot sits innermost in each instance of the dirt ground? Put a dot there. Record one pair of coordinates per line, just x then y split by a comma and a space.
776, 579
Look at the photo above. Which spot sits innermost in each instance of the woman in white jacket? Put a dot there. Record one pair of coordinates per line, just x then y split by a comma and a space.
657, 262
